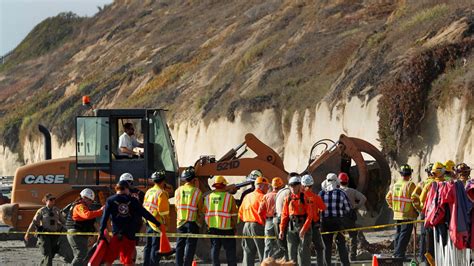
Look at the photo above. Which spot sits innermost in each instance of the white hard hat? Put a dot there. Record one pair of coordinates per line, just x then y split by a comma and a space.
126, 177
87, 193
307, 180
331, 177
254, 174
294, 180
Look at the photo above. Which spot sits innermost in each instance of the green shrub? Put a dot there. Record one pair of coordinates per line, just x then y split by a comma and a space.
404, 97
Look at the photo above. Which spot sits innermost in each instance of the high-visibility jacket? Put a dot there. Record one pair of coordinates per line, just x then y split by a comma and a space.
220, 210
188, 202
415, 196
317, 204
156, 202
297, 207
248, 211
399, 200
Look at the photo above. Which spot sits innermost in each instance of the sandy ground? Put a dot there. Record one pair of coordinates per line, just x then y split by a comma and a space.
13, 252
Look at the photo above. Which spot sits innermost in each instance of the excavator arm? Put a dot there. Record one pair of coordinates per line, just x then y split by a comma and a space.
231, 164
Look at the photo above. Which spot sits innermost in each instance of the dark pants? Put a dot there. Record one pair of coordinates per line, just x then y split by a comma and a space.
48, 245
150, 251
402, 238
298, 248
186, 247
330, 224
318, 243
426, 240
79, 247
349, 222
282, 248
229, 245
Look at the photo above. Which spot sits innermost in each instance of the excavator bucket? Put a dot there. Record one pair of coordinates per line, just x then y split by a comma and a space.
362, 161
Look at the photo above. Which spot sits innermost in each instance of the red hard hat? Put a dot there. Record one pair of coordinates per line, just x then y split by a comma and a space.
343, 177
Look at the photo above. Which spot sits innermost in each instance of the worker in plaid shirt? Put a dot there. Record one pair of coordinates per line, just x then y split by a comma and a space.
337, 205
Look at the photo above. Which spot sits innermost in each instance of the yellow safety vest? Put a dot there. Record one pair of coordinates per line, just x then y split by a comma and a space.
402, 204
219, 210
187, 198
153, 204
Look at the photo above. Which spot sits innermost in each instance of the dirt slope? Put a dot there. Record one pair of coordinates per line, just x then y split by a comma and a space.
211, 59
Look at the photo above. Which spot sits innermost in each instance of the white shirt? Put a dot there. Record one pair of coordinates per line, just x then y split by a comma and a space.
128, 142
279, 200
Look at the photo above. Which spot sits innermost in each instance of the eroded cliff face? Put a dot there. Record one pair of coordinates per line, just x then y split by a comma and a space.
447, 134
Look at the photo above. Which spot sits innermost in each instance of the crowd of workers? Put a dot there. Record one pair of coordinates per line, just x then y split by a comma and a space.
292, 214
441, 199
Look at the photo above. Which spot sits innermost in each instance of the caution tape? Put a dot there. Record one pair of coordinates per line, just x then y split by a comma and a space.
176, 235
170, 235
371, 227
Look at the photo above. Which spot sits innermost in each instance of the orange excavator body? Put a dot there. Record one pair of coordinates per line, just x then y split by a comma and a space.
65, 177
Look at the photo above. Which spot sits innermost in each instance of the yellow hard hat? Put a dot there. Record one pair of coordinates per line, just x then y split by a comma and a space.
438, 168
261, 180
449, 165
220, 180
277, 182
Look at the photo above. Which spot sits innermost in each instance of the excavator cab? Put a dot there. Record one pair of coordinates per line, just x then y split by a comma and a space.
97, 148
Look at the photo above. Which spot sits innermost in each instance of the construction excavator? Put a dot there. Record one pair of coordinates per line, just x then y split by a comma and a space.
97, 165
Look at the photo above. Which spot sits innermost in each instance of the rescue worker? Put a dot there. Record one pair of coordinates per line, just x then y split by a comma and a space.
189, 210
47, 219
463, 171
449, 170
254, 225
139, 195
399, 200
426, 235
251, 177
357, 200
134, 192
296, 219
337, 206
155, 202
437, 172
221, 218
267, 213
282, 247
81, 219
317, 205
122, 209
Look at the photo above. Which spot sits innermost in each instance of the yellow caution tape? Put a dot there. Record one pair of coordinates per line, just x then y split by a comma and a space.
372, 227
176, 235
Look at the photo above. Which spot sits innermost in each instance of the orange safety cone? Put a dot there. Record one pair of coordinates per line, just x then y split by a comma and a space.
165, 247
375, 261
194, 263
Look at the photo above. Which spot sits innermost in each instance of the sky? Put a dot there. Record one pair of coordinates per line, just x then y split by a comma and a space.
19, 17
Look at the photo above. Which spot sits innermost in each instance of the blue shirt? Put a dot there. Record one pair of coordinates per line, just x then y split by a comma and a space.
124, 211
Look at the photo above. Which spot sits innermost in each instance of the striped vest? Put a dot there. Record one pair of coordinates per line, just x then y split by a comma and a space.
187, 199
401, 198
218, 210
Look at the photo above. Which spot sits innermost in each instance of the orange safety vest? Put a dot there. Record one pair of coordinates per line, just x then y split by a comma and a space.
248, 211
218, 206
187, 198
296, 207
